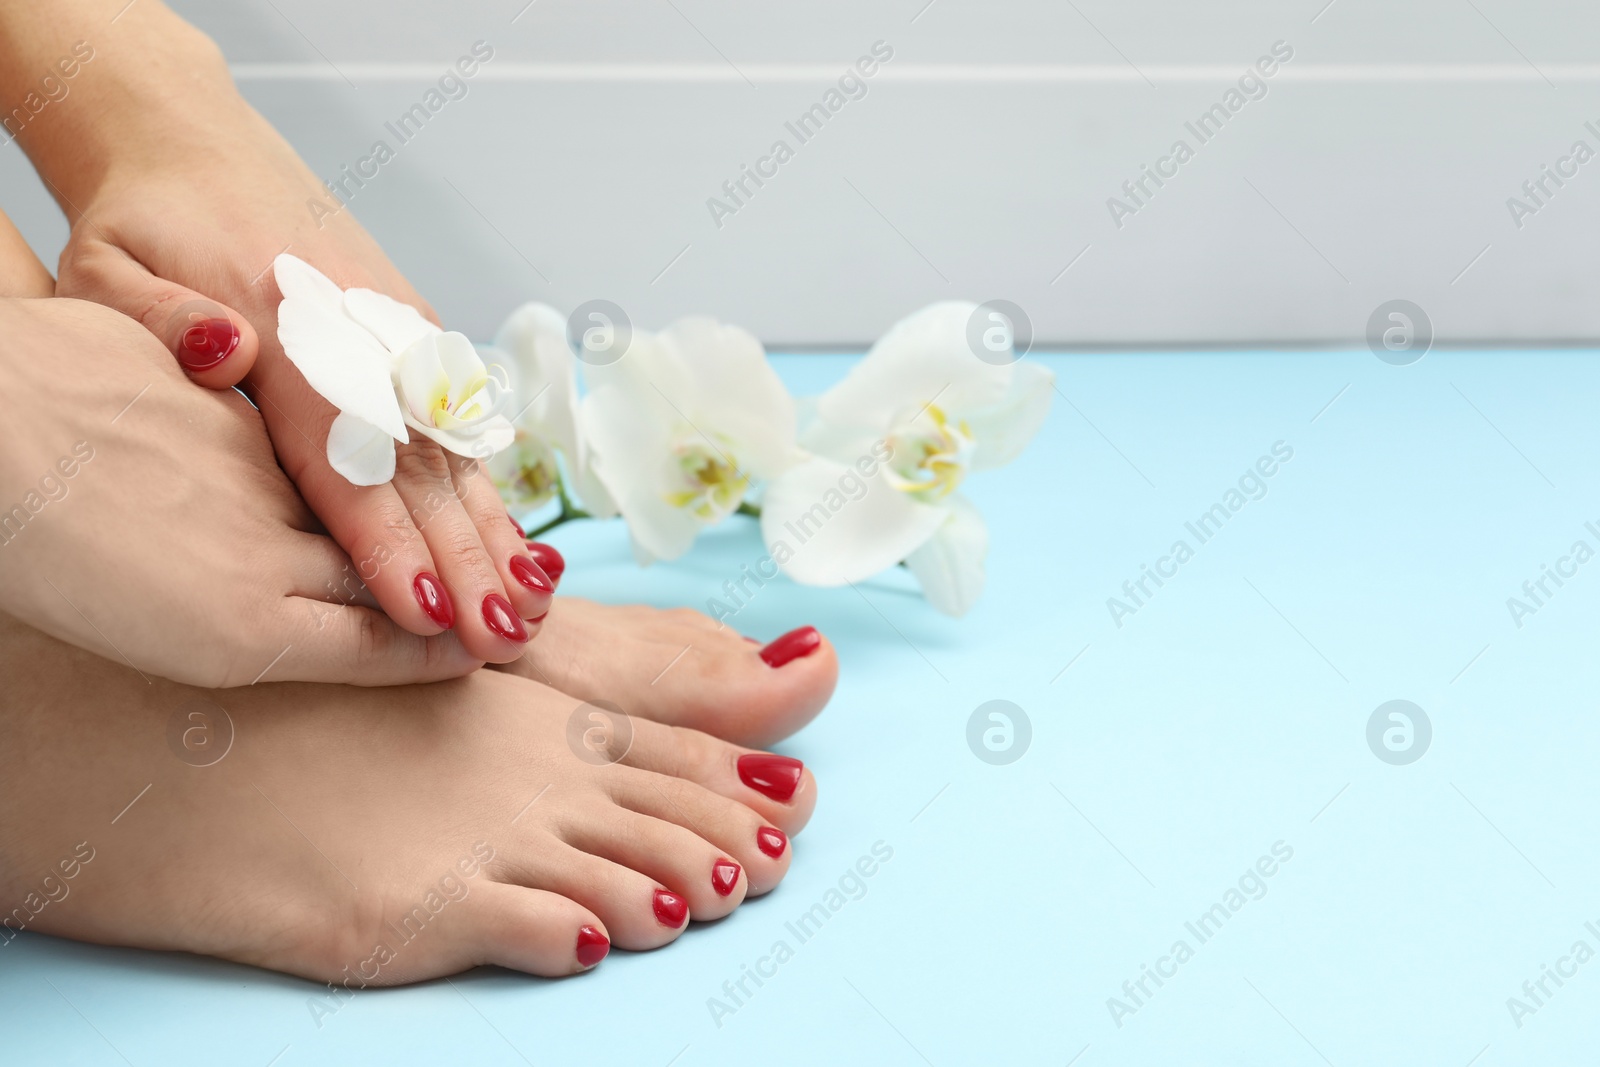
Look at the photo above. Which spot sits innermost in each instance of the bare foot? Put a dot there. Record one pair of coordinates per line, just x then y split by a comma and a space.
366, 836
681, 668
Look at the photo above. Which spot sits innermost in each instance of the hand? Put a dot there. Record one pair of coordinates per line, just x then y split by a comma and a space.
176, 220
145, 520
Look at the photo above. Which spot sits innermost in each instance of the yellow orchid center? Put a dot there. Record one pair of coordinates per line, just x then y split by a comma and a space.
708, 483
931, 455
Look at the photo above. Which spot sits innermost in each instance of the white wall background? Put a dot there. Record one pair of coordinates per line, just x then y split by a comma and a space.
979, 164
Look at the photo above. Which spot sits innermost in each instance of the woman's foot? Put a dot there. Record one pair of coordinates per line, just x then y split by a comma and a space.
369, 836
681, 668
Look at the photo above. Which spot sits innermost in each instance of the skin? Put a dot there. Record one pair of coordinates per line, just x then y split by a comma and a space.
123, 558
180, 195
336, 810
677, 667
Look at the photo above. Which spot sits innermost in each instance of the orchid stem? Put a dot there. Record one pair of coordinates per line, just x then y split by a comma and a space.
747, 508
569, 512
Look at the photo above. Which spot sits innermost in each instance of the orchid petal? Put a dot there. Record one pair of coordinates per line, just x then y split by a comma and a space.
299, 280
487, 438
360, 451
424, 385
923, 359
949, 566
836, 526
735, 390
343, 363
397, 326
1003, 431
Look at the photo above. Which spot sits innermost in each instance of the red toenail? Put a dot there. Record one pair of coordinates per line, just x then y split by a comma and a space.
531, 575
791, 646
724, 876
524, 535
205, 344
770, 839
502, 620
774, 776
671, 909
549, 559
434, 600
592, 946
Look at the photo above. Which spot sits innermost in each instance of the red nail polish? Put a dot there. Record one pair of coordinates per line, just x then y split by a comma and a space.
502, 620
724, 876
531, 575
791, 646
207, 343
434, 600
773, 776
538, 618
549, 560
520, 531
592, 946
771, 840
671, 909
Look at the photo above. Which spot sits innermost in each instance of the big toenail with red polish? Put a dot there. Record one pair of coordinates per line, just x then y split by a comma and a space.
548, 559
772, 776
670, 909
771, 840
792, 646
724, 876
592, 946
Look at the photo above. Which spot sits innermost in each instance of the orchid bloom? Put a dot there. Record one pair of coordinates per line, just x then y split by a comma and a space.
890, 447
682, 426
388, 370
532, 345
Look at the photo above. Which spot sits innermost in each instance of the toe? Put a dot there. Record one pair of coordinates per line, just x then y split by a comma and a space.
534, 931
778, 788
685, 863
633, 906
743, 835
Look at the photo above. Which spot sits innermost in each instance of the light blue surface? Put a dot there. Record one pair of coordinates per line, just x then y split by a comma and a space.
1227, 714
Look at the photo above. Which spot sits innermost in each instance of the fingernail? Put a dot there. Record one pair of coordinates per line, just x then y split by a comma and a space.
207, 343
671, 909
771, 840
724, 876
592, 946
531, 575
520, 531
791, 646
502, 620
772, 776
434, 600
549, 560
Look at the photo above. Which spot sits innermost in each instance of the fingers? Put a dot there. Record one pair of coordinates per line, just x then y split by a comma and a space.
370, 523
361, 646
529, 587
215, 345
489, 624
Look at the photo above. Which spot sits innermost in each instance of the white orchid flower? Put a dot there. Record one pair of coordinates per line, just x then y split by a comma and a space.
890, 446
681, 426
388, 370
532, 346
